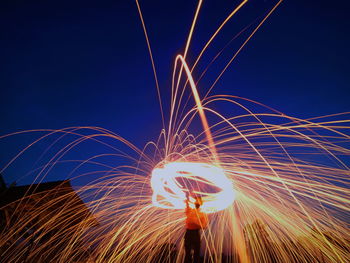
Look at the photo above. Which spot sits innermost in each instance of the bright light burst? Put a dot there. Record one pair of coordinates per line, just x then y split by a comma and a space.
276, 187
168, 192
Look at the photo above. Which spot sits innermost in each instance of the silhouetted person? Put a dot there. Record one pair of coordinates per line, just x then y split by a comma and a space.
195, 221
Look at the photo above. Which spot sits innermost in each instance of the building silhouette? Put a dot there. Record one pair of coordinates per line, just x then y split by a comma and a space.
41, 222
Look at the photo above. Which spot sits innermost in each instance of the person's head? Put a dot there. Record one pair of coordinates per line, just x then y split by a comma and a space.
198, 202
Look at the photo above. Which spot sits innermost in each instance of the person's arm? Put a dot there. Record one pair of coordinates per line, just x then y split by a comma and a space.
187, 201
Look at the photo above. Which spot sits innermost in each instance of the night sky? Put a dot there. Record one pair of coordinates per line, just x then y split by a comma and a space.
85, 63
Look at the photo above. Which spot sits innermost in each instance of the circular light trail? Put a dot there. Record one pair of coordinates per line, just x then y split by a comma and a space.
171, 182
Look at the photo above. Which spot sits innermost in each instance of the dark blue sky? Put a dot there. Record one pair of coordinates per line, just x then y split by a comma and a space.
85, 63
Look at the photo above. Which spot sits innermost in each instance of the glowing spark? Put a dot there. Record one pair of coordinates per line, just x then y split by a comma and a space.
169, 193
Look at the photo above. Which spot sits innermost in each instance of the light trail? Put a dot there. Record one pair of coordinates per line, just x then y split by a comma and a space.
169, 193
152, 61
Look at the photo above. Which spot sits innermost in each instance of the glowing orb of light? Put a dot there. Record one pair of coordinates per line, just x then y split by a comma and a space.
171, 182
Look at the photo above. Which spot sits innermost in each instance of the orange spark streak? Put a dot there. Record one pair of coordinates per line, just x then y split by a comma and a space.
200, 109
152, 61
243, 45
